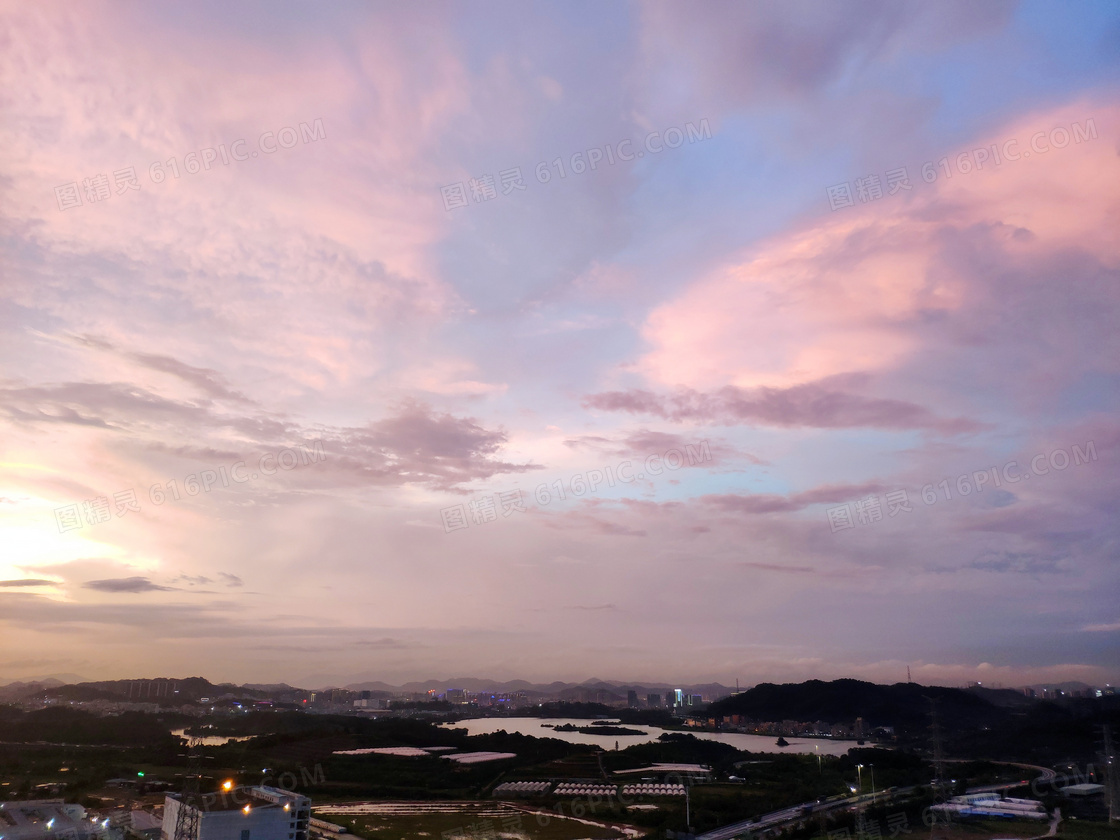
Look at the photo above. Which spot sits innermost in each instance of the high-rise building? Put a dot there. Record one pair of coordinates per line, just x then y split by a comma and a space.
632, 699
678, 697
653, 701
244, 813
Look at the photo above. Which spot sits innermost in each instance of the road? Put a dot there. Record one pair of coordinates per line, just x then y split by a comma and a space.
1045, 774
801, 812
795, 813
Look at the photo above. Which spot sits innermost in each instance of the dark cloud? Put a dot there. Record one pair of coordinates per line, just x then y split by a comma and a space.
129, 584
382, 644
778, 567
108, 405
758, 503
610, 528
193, 580
596, 608
419, 445
1020, 562
208, 381
231, 580
816, 405
736, 53
645, 442
415, 444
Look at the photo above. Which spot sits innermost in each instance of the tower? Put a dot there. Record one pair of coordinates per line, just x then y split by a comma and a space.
186, 826
938, 815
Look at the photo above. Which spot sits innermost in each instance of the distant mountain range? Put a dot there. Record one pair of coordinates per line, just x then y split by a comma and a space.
902, 705
592, 691
161, 690
168, 691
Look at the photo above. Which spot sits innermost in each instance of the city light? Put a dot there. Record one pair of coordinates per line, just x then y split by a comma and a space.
227, 785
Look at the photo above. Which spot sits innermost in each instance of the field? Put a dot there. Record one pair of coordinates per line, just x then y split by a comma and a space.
462, 821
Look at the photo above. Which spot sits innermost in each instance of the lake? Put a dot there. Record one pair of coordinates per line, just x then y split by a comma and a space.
753, 743
211, 740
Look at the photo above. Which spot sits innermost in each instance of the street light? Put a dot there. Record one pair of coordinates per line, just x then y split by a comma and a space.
872, 766
859, 772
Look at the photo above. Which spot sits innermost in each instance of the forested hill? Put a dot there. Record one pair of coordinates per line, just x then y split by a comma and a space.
903, 706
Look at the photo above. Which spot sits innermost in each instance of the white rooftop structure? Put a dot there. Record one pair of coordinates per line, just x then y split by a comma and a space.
51, 818
244, 813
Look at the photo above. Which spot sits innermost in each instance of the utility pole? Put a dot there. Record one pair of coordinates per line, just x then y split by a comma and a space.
1110, 764
687, 808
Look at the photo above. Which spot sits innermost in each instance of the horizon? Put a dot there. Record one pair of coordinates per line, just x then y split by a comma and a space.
771, 340
461, 681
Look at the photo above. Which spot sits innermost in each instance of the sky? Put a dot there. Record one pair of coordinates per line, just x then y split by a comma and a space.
641, 341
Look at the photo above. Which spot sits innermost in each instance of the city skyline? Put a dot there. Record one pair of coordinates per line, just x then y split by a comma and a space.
545, 342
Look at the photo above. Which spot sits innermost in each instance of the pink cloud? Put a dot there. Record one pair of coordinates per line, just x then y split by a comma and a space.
865, 289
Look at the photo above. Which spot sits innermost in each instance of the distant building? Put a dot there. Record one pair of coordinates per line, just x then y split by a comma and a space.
40, 819
678, 697
653, 701
632, 699
372, 703
695, 700
245, 813
455, 695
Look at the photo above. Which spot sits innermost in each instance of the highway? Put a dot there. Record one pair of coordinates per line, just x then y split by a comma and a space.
799, 813
795, 813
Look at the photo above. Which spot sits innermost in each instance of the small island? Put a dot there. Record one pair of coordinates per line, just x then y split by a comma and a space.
782, 742
598, 729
